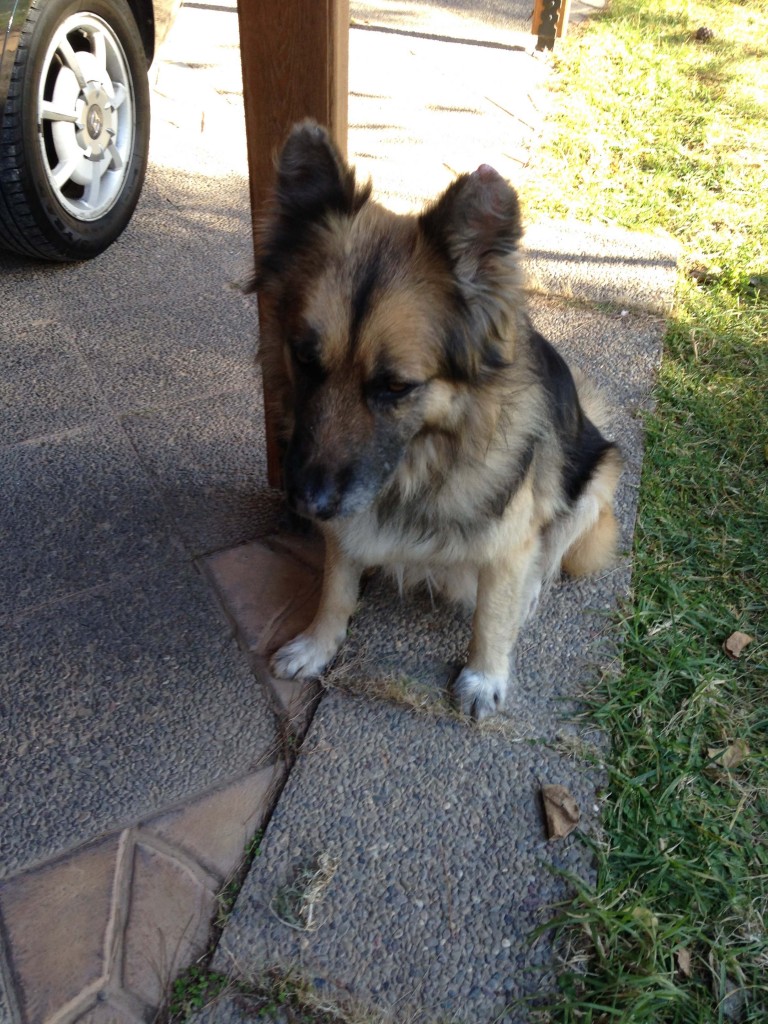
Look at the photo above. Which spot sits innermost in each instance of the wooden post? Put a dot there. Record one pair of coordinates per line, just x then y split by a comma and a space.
550, 21
295, 58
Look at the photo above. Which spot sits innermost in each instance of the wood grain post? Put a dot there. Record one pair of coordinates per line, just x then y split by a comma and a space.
550, 21
295, 58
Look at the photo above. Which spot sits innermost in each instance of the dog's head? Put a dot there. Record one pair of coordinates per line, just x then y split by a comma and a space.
376, 328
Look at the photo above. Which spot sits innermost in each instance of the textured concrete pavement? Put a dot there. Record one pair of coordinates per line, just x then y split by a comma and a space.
145, 581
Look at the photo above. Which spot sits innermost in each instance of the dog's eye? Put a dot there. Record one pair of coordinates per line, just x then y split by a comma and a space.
392, 390
304, 347
306, 358
303, 356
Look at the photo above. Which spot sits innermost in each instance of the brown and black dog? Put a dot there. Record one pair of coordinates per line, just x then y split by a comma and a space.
428, 427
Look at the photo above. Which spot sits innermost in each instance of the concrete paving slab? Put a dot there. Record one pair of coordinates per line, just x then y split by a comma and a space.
55, 543
216, 828
45, 387
124, 700
208, 460
422, 111
601, 264
70, 955
269, 590
438, 868
168, 922
484, 21
269, 594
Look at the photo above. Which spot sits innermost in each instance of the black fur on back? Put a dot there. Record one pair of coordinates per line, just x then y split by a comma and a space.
582, 443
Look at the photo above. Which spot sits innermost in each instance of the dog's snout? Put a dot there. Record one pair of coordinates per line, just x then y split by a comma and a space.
316, 494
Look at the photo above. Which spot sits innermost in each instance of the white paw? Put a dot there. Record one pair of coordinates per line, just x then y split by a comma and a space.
301, 658
479, 695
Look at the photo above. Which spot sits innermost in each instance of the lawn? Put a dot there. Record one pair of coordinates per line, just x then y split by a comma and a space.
661, 125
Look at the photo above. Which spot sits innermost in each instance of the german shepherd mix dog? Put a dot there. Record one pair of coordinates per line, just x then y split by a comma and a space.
429, 428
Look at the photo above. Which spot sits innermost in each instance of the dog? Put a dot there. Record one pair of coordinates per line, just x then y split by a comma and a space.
427, 427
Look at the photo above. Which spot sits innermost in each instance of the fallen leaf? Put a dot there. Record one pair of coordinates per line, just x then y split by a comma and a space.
730, 756
561, 811
736, 643
683, 957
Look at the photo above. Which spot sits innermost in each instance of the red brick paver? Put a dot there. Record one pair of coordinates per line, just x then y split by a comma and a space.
97, 936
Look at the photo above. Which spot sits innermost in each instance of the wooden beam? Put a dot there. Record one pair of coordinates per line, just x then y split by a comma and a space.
295, 58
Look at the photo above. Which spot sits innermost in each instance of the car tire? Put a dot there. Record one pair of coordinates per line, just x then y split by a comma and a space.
75, 130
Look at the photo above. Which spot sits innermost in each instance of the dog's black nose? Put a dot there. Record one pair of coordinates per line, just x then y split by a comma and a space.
315, 495
323, 507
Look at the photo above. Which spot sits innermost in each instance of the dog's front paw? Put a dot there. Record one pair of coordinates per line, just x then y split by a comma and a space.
301, 658
479, 695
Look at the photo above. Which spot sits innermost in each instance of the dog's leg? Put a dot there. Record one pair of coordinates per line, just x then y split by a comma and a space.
309, 653
505, 591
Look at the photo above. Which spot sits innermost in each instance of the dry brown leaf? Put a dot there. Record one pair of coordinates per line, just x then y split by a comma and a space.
736, 643
561, 811
730, 756
683, 957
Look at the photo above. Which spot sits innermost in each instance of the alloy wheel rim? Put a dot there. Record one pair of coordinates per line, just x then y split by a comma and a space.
86, 116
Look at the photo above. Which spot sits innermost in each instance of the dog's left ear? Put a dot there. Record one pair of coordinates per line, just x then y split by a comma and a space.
475, 220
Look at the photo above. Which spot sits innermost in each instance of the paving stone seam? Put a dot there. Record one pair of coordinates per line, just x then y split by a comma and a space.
121, 895
54, 435
19, 618
271, 757
123, 412
294, 704
78, 1005
128, 1005
7, 980
209, 880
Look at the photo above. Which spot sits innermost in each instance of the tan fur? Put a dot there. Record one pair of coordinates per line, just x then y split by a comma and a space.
428, 428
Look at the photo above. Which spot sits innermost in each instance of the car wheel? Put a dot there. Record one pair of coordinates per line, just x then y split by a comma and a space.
73, 149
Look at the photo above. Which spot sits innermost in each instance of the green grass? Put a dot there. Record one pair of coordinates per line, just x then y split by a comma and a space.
198, 986
659, 131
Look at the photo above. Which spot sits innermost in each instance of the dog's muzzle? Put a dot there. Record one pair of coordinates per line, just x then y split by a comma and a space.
315, 493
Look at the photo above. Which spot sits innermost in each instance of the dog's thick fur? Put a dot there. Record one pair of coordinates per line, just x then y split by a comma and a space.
428, 427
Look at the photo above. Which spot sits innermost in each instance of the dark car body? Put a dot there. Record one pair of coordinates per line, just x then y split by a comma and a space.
153, 17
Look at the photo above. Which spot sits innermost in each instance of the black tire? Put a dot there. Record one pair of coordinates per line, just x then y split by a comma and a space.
97, 123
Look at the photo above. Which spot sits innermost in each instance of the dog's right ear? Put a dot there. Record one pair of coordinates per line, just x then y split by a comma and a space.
312, 177
313, 180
